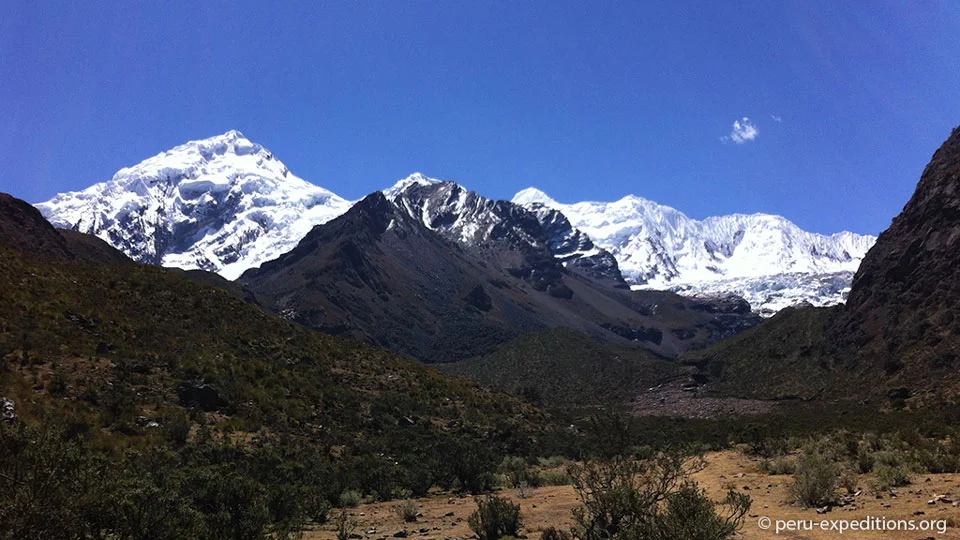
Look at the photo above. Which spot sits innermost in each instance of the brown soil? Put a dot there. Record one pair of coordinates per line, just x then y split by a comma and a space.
445, 516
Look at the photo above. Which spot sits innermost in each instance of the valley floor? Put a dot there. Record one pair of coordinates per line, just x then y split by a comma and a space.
445, 516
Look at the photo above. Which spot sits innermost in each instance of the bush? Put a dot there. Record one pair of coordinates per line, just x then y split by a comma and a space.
345, 526
691, 515
407, 511
473, 465
494, 518
937, 458
865, 461
889, 476
848, 481
633, 499
553, 462
516, 471
816, 481
554, 478
552, 533
781, 466
350, 498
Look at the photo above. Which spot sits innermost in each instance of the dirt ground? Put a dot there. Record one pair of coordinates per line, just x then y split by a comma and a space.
445, 516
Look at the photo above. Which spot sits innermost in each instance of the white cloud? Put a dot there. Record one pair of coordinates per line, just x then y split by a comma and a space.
776, 118
743, 131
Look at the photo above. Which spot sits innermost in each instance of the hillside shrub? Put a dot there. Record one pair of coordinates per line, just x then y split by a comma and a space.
654, 498
495, 518
407, 511
816, 480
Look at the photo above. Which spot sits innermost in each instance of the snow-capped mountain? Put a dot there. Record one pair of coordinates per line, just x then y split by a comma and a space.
476, 222
765, 258
222, 204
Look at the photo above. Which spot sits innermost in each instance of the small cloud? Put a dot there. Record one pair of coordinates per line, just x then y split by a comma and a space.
743, 131
776, 118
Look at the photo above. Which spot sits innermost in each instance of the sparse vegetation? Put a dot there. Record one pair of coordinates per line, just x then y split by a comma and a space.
350, 498
816, 480
495, 518
778, 467
407, 511
890, 476
625, 498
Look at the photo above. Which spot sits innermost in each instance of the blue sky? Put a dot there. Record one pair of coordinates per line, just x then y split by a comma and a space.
585, 100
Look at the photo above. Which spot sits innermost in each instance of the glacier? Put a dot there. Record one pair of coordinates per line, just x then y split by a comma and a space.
223, 204
765, 258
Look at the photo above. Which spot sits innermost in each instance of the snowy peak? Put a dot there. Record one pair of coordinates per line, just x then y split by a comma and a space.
415, 179
543, 235
660, 247
222, 204
532, 195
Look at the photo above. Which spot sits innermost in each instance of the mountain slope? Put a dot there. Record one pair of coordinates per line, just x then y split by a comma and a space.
137, 356
442, 274
902, 306
898, 331
222, 204
659, 247
563, 368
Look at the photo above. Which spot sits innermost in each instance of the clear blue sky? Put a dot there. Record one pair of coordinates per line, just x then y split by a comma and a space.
586, 100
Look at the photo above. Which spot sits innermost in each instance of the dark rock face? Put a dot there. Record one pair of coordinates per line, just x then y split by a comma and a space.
23, 228
198, 394
901, 311
727, 303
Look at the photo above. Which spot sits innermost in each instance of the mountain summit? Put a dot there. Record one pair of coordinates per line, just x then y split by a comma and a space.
223, 204
765, 258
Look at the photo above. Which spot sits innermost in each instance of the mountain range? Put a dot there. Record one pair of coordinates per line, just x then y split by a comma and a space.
764, 258
226, 205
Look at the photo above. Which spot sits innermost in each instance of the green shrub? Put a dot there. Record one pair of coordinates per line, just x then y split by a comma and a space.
866, 460
554, 478
781, 466
816, 481
407, 511
636, 499
890, 476
494, 518
553, 462
350, 498
691, 515
473, 464
516, 471
938, 458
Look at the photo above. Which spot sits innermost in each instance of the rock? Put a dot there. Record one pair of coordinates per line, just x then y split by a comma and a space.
720, 303
823, 510
8, 410
199, 394
401, 534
